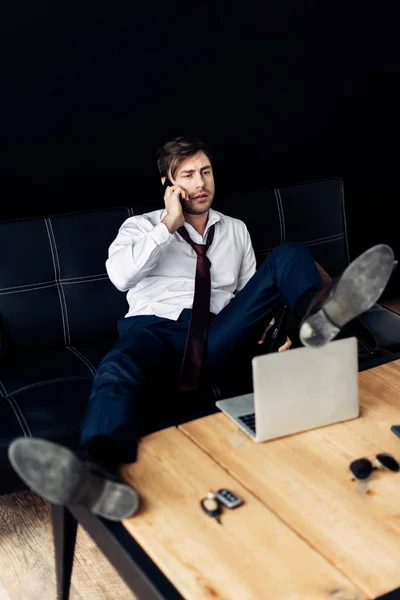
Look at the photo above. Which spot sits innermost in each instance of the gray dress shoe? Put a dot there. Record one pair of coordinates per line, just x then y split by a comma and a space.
58, 474
355, 291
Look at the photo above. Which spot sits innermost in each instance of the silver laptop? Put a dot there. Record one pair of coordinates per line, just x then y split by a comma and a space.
297, 390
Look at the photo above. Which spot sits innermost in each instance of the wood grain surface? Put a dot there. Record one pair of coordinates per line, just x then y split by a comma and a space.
305, 480
252, 555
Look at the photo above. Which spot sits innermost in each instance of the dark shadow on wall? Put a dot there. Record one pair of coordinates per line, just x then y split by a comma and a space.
283, 92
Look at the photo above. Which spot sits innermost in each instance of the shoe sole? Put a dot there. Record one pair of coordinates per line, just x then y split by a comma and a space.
58, 475
355, 292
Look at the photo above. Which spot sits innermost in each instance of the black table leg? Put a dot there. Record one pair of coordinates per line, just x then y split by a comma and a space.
64, 536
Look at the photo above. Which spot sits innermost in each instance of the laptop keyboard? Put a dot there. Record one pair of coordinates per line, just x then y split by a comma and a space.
249, 420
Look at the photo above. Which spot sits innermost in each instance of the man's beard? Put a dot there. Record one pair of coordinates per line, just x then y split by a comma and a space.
190, 209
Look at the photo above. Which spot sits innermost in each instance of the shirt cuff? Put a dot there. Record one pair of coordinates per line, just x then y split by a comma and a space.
161, 234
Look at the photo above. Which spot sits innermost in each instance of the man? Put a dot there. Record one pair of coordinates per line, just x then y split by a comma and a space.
153, 260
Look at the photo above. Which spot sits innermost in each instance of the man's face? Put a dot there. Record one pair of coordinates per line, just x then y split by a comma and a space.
195, 176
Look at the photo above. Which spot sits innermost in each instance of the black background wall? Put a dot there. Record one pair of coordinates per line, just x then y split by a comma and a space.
282, 91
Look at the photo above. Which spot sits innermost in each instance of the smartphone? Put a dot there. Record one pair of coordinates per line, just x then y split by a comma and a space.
167, 183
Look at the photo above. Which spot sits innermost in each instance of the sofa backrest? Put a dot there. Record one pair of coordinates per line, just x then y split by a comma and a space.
54, 289
311, 212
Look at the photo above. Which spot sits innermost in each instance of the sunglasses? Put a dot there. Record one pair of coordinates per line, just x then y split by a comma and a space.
362, 468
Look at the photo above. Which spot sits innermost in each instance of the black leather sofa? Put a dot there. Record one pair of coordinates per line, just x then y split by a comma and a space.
58, 309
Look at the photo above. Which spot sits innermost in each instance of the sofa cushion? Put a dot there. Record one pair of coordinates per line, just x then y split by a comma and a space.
385, 324
45, 394
54, 288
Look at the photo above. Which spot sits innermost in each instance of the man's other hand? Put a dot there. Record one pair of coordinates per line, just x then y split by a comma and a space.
282, 348
286, 345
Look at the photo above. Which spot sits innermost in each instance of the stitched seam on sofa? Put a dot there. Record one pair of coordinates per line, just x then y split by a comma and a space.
58, 380
83, 358
17, 417
57, 273
67, 282
84, 278
266, 250
346, 241
85, 211
215, 389
58, 279
332, 238
281, 214
19, 290
48, 284
15, 406
29, 286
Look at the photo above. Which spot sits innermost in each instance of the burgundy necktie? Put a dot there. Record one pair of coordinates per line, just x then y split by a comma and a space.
196, 340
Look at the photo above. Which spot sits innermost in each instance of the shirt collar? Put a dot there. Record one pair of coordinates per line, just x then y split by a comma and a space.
213, 217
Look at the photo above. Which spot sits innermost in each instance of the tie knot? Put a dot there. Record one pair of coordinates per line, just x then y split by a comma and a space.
200, 249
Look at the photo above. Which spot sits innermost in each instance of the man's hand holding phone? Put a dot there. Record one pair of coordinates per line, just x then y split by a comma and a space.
172, 199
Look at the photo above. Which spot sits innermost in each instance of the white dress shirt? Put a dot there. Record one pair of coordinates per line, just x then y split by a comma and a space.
157, 269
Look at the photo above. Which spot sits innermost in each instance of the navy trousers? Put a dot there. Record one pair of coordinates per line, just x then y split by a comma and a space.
149, 350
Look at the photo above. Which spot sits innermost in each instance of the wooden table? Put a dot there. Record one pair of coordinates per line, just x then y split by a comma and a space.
304, 532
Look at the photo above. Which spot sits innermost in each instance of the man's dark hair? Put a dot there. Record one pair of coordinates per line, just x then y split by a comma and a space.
172, 154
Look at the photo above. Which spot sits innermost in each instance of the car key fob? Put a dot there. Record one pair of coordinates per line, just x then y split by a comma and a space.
228, 498
211, 506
